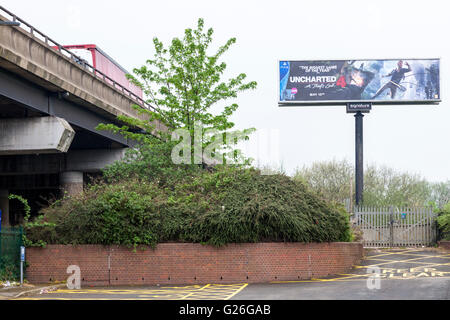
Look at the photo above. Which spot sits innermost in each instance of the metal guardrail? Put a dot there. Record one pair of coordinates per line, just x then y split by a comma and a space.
51, 43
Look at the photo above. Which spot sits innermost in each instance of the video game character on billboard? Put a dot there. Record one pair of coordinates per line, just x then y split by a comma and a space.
353, 81
397, 75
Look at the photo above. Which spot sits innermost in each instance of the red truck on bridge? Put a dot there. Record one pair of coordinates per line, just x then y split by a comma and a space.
101, 61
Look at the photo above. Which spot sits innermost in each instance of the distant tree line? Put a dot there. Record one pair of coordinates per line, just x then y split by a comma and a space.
383, 186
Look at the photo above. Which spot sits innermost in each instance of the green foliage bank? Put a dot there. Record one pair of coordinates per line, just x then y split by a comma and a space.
443, 221
147, 199
229, 205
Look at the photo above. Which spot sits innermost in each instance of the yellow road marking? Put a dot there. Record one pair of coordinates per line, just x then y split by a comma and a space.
190, 294
398, 252
423, 264
402, 261
209, 291
409, 252
377, 259
410, 261
349, 280
424, 270
235, 293
398, 261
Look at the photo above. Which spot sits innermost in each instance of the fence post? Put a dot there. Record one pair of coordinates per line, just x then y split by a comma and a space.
391, 227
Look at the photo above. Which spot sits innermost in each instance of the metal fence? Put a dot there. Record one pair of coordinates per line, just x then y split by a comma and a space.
392, 227
10, 243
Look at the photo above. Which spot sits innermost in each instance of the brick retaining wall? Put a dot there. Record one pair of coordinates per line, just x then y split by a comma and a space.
444, 245
187, 263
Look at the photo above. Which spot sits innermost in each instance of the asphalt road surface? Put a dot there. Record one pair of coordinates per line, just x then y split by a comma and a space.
402, 274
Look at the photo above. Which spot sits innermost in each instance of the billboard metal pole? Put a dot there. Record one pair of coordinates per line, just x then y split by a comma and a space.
359, 161
359, 83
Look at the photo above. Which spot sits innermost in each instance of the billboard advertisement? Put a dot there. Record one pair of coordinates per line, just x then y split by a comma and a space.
376, 81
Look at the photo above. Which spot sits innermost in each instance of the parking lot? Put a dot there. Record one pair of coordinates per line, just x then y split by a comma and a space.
411, 273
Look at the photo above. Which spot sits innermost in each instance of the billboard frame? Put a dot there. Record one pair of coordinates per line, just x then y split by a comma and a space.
373, 102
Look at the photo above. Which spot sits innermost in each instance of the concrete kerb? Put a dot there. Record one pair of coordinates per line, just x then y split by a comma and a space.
11, 296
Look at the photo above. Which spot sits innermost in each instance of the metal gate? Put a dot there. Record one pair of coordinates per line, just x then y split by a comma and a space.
393, 227
10, 242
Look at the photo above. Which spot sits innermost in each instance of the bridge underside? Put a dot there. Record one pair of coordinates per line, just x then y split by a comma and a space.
50, 106
44, 175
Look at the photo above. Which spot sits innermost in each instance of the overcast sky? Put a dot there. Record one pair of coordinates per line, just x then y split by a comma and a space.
408, 138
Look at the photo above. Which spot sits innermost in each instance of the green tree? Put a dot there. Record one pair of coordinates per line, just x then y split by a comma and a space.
383, 186
183, 82
440, 194
331, 179
443, 221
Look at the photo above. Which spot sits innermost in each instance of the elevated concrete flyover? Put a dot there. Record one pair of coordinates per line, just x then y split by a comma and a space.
50, 106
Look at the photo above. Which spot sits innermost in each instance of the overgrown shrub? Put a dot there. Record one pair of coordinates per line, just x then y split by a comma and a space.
8, 269
357, 234
228, 205
443, 221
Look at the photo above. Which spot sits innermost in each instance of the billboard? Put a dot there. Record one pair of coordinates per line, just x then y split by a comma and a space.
376, 81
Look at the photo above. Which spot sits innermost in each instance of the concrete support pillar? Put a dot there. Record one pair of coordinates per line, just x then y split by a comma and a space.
71, 182
4, 206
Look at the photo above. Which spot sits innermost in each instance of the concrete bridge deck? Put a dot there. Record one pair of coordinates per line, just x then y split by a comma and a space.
50, 106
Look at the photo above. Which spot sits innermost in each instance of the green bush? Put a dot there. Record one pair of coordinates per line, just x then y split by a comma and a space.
228, 205
8, 269
443, 221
